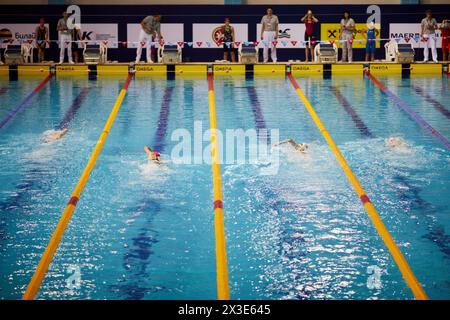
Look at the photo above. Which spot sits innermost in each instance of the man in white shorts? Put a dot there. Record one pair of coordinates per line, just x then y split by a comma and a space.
150, 28
65, 38
269, 34
428, 28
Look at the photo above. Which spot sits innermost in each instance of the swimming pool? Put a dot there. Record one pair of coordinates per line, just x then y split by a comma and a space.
143, 231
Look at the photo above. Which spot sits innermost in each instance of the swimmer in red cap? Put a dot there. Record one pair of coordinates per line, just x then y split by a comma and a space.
152, 155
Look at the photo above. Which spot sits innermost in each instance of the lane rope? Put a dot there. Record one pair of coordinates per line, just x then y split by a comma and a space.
400, 260
25, 101
400, 103
436, 104
39, 274
76, 105
223, 290
359, 123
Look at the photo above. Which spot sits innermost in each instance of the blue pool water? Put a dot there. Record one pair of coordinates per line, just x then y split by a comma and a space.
146, 232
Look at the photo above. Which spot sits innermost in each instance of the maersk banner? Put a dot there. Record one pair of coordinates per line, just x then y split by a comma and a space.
171, 32
410, 33
290, 35
210, 35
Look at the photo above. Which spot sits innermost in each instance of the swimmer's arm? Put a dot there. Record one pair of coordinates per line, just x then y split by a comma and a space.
147, 150
63, 132
284, 141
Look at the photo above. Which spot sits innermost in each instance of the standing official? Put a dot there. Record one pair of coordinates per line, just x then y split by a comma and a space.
269, 34
150, 30
347, 28
65, 38
428, 28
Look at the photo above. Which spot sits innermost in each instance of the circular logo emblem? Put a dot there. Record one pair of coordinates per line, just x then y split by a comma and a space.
5, 35
217, 35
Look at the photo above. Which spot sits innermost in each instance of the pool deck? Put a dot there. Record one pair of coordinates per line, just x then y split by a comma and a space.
225, 69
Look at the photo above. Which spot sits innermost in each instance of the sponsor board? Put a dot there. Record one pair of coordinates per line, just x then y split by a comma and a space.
18, 33
190, 69
385, 68
347, 69
4, 70
72, 70
171, 32
210, 35
426, 68
107, 70
229, 69
290, 35
269, 69
150, 70
306, 69
105, 32
332, 32
410, 33
33, 70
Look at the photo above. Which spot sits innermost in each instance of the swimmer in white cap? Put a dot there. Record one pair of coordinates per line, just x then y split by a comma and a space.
397, 144
302, 147
53, 135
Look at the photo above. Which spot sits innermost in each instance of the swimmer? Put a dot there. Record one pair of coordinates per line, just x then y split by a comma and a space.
152, 155
55, 135
397, 144
298, 146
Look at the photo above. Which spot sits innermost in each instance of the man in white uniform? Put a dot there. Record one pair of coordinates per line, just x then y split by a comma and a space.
151, 28
428, 28
269, 34
65, 38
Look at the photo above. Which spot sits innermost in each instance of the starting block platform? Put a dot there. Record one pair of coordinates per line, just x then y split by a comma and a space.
224, 69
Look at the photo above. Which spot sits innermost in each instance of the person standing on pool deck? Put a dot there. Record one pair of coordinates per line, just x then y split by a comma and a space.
347, 28
445, 33
77, 44
269, 34
309, 21
41, 34
228, 41
65, 39
150, 29
428, 28
371, 34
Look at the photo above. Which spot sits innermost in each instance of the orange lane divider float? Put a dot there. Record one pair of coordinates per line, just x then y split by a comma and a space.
39, 274
223, 290
400, 260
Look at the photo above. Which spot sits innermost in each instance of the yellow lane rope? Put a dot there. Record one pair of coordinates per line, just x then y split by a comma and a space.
39, 274
402, 264
223, 290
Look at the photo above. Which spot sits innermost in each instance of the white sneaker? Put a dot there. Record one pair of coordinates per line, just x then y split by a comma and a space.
137, 62
425, 61
71, 62
435, 61
149, 61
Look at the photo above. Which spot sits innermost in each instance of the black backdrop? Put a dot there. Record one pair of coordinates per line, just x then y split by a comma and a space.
123, 14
